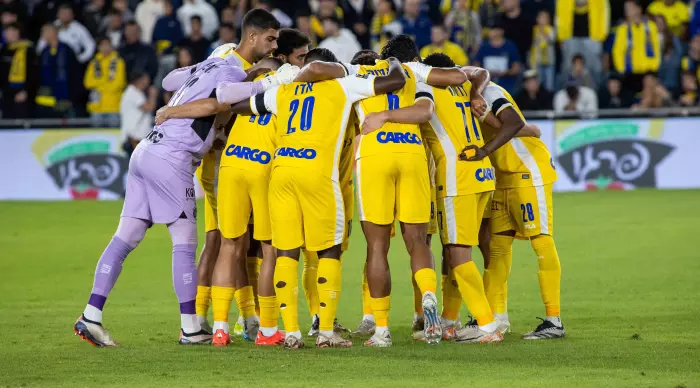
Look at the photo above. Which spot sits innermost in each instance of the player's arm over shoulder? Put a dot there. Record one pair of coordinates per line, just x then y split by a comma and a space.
437, 76
192, 110
317, 71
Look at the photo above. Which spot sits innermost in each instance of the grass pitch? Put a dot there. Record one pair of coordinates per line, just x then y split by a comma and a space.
630, 304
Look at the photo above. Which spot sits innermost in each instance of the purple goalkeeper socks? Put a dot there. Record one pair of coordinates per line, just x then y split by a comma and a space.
108, 268
184, 276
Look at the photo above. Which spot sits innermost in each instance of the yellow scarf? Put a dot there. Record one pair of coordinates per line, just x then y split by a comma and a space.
598, 19
18, 67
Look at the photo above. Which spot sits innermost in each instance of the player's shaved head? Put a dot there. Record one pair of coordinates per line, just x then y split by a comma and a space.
271, 63
320, 54
439, 60
365, 57
401, 47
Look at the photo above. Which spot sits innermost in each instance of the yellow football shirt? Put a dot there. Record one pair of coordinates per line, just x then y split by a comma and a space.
312, 118
676, 14
451, 128
523, 161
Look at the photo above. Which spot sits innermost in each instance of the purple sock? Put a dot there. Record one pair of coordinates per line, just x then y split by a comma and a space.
184, 277
107, 271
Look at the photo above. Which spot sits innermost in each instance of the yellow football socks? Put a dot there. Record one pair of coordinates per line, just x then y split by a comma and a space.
269, 311
380, 308
221, 298
287, 289
253, 273
328, 291
309, 278
451, 298
426, 279
245, 300
202, 300
549, 273
471, 287
496, 275
366, 298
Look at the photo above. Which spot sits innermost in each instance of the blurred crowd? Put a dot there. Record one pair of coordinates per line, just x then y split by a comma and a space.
97, 58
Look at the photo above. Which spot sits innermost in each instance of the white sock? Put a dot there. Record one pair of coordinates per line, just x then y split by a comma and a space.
202, 320
490, 327
381, 331
268, 331
368, 317
326, 333
554, 320
501, 317
189, 323
93, 313
447, 322
221, 325
296, 334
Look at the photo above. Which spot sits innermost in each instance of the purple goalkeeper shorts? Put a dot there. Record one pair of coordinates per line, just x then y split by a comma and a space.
157, 191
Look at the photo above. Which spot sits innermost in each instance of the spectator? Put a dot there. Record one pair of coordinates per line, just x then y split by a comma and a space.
579, 73
385, 15
147, 14
17, 63
9, 16
582, 26
542, 55
167, 33
415, 24
440, 44
517, 26
93, 14
676, 13
691, 62
500, 57
17, 8
228, 16
303, 23
490, 13
137, 56
59, 73
533, 96
74, 34
292, 46
614, 96
196, 42
326, 8
114, 29
227, 34
464, 26
207, 13
136, 111
340, 41
283, 18
654, 95
105, 79
184, 59
358, 15
689, 90
44, 12
636, 49
123, 7
671, 55
575, 98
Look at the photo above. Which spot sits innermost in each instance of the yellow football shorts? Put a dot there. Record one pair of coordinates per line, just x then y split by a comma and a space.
348, 191
394, 186
460, 218
306, 209
527, 210
207, 175
240, 193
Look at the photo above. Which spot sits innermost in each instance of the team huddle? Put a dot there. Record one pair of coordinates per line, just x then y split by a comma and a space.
274, 132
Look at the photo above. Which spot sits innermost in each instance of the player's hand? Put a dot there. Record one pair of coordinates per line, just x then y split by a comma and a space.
373, 121
284, 75
162, 115
472, 153
479, 105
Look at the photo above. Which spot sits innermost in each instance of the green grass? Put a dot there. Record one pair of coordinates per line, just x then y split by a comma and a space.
630, 295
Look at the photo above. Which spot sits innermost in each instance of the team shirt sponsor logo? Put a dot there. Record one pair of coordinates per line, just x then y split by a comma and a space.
484, 174
247, 153
384, 137
299, 153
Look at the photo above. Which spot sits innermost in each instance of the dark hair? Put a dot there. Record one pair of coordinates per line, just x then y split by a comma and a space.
289, 40
135, 76
14, 25
103, 37
334, 19
259, 18
439, 60
197, 18
271, 63
114, 11
131, 23
66, 6
402, 47
365, 57
320, 54
577, 57
227, 25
